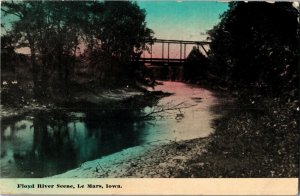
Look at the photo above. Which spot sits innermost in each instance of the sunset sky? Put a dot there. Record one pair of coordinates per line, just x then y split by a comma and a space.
181, 20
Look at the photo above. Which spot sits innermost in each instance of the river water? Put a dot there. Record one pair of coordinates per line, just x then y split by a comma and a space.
46, 144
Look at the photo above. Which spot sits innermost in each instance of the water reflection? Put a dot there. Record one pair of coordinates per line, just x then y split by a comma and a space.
171, 73
51, 143
187, 123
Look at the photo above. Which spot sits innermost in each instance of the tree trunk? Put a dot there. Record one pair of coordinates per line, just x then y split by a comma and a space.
34, 72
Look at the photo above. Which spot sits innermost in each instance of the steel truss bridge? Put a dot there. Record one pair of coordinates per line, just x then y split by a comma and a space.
165, 58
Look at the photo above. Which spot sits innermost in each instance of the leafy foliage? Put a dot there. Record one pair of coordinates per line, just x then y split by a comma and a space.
258, 49
117, 34
197, 65
56, 32
7, 53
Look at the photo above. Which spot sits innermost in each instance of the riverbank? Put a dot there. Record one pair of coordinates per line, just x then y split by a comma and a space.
257, 136
148, 161
17, 100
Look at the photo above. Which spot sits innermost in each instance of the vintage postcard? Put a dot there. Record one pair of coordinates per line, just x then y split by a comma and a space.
149, 97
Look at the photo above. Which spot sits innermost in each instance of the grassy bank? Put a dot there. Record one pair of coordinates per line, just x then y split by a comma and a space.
255, 137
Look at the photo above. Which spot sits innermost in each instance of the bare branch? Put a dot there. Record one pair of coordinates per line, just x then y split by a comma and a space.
162, 110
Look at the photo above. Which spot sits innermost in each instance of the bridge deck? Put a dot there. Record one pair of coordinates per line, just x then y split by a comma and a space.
171, 41
161, 60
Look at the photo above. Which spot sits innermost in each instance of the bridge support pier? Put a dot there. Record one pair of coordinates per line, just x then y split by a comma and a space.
162, 50
184, 49
180, 51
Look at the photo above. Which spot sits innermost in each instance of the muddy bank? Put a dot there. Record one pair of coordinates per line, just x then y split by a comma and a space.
97, 97
152, 160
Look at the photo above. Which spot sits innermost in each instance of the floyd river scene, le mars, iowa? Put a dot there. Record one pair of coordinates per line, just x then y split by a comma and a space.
149, 89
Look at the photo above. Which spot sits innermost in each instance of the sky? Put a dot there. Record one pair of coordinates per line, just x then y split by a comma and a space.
181, 20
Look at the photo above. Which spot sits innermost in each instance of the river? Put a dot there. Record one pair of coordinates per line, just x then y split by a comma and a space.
46, 144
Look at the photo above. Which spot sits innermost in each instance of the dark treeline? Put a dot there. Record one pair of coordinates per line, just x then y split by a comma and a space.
197, 66
95, 41
258, 49
73, 40
255, 45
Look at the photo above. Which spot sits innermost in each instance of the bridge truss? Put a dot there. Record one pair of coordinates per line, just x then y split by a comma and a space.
165, 57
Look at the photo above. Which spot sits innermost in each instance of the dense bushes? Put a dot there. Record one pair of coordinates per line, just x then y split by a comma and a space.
196, 66
107, 34
256, 44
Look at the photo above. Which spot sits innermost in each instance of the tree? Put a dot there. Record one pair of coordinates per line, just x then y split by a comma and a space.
196, 65
63, 31
8, 53
52, 31
25, 30
119, 32
257, 49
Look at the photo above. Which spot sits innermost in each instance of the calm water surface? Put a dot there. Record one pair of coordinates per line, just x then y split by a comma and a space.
46, 144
